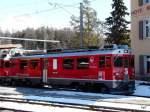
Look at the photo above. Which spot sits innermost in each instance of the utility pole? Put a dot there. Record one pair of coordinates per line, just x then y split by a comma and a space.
45, 38
81, 25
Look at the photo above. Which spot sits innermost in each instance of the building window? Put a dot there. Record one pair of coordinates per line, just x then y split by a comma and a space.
147, 28
147, 31
148, 64
144, 64
68, 63
82, 63
146, 1
144, 29
143, 2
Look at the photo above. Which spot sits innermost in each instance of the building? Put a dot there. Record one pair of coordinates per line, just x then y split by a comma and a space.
9, 46
140, 36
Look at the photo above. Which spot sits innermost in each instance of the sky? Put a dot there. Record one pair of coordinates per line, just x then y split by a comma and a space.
20, 14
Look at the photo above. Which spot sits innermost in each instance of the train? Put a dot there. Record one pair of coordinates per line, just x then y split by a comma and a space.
107, 70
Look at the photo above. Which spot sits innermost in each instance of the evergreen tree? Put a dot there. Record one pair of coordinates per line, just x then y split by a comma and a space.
118, 32
91, 26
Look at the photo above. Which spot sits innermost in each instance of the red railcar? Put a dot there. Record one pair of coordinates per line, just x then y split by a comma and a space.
105, 70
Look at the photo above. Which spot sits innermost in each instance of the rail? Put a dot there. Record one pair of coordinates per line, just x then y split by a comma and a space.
69, 105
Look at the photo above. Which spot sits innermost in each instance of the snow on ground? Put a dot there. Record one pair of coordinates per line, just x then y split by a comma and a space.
38, 108
142, 90
96, 99
126, 103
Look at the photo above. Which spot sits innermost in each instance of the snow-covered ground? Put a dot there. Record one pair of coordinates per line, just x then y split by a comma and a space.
94, 99
142, 90
38, 108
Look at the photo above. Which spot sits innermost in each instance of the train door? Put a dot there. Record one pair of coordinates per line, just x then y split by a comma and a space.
24, 67
105, 65
126, 71
101, 74
45, 69
108, 68
53, 68
128, 67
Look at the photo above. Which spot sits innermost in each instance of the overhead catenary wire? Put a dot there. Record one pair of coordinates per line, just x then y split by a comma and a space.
64, 5
58, 5
36, 12
55, 7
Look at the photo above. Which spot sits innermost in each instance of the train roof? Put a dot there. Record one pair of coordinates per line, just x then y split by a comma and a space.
79, 53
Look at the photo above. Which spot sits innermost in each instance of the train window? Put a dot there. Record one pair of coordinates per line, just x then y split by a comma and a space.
118, 61
126, 62
108, 61
68, 63
102, 62
34, 64
7, 64
82, 63
23, 64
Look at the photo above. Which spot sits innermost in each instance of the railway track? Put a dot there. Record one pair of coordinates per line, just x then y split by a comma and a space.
55, 98
11, 110
61, 104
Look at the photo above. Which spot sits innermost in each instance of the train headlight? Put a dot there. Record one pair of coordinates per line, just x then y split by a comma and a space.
125, 51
